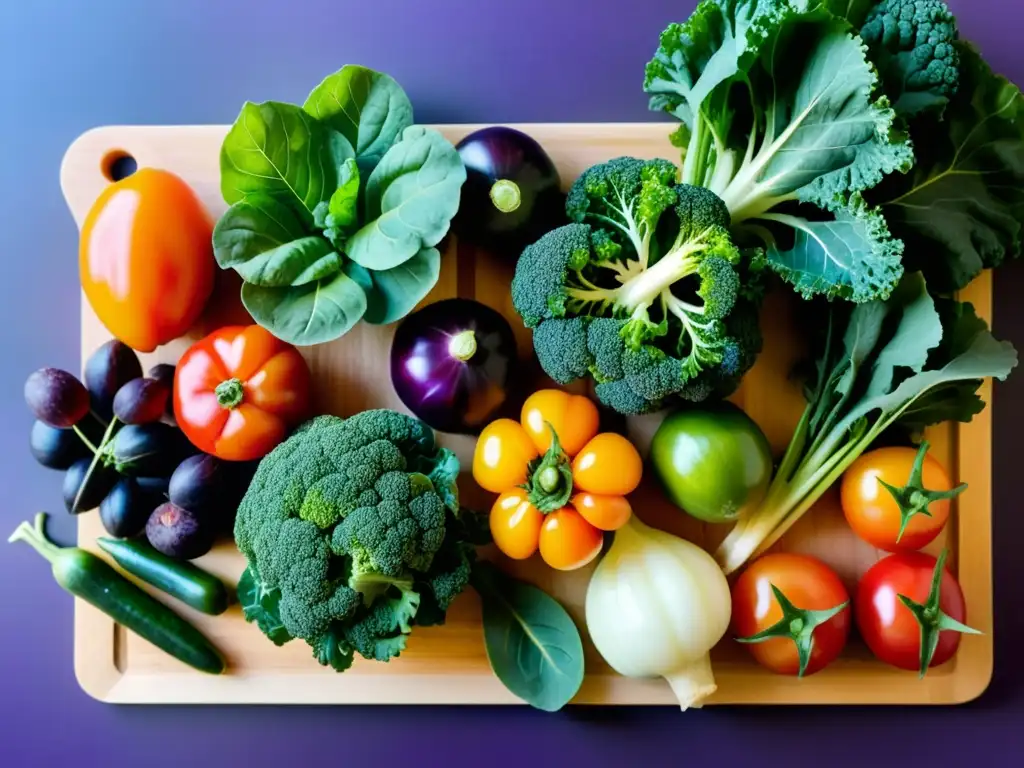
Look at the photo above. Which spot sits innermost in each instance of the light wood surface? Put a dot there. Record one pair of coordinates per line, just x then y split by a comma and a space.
448, 664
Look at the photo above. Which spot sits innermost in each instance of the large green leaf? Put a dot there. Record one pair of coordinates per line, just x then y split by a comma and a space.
313, 313
532, 643
398, 290
264, 241
262, 606
961, 209
410, 200
279, 150
368, 108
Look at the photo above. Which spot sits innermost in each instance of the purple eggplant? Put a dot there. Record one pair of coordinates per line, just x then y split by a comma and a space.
453, 363
512, 193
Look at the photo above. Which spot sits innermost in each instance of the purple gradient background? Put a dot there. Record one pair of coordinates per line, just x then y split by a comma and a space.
71, 65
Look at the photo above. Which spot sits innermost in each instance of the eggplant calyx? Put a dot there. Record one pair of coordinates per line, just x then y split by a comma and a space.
229, 393
462, 346
505, 195
932, 619
797, 624
913, 498
550, 478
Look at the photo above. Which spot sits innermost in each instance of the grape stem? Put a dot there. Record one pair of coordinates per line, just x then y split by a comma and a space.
95, 460
84, 439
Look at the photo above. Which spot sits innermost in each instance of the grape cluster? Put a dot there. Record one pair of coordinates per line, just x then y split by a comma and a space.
116, 440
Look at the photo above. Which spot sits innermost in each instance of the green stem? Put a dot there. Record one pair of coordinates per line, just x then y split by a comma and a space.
550, 477
35, 536
84, 439
462, 346
913, 498
95, 460
505, 195
229, 393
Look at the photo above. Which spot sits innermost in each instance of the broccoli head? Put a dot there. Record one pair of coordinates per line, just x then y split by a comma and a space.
638, 290
347, 527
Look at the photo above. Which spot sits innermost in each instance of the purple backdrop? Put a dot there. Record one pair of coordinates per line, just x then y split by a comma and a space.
70, 65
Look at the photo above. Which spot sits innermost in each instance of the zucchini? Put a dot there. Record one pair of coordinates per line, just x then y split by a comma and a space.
90, 578
180, 579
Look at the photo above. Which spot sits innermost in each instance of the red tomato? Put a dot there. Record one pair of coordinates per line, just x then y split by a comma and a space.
891, 629
813, 591
146, 258
238, 391
876, 515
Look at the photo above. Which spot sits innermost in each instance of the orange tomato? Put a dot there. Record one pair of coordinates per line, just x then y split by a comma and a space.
502, 452
573, 417
607, 513
539, 508
515, 524
146, 258
608, 465
238, 391
567, 541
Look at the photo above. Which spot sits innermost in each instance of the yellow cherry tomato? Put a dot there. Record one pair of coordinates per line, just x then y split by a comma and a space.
574, 418
567, 541
607, 513
608, 465
502, 453
515, 524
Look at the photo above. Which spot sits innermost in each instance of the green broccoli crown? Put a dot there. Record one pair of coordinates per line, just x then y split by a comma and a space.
912, 43
339, 523
604, 189
538, 285
698, 209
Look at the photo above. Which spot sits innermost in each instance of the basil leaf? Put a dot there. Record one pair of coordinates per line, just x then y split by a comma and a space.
368, 108
343, 206
313, 313
410, 200
266, 243
398, 290
279, 150
532, 643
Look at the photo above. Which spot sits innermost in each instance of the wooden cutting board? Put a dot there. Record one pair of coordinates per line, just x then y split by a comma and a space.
448, 664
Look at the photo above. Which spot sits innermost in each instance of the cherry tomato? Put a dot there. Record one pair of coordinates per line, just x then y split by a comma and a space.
606, 513
502, 454
146, 258
811, 587
567, 541
890, 628
238, 391
515, 524
875, 514
608, 465
574, 418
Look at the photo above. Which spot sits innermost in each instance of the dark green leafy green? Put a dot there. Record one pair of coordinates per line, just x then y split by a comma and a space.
532, 643
307, 314
262, 606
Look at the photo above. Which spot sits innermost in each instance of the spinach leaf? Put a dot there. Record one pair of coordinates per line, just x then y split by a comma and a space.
410, 200
261, 605
532, 643
368, 108
313, 313
265, 242
279, 150
397, 290
343, 207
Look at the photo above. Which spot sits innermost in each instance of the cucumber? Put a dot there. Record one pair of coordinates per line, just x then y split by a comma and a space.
90, 578
180, 579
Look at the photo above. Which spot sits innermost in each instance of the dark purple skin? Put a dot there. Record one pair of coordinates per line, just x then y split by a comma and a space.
503, 156
448, 393
125, 511
55, 397
109, 368
179, 533
199, 484
141, 401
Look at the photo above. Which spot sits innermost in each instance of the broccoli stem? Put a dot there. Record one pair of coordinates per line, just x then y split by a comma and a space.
644, 289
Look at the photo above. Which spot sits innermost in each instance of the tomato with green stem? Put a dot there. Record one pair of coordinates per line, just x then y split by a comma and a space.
793, 613
898, 498
910, 611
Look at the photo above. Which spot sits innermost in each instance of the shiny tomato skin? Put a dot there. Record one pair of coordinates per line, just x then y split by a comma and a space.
573, 417
503, 451
873, 513
608, 465
567, 541
809, 584
515, 524
274, 387
888, 627
146, 258
606, 513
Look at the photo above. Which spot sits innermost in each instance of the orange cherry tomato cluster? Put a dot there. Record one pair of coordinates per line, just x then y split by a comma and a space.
560, 482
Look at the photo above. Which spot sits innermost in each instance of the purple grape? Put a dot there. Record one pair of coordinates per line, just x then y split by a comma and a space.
141, 401
179, 533
109, 368
55, 397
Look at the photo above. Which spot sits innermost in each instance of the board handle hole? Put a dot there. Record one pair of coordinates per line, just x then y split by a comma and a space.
118, 164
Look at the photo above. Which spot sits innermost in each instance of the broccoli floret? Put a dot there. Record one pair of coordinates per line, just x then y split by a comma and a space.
650, 309
619, 396
340, 523
911, 42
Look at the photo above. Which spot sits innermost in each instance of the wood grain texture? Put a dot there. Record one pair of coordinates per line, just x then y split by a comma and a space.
448, 665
